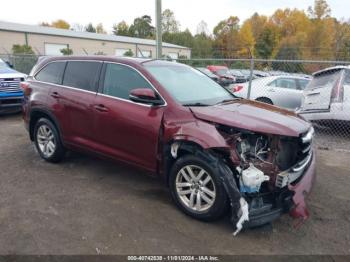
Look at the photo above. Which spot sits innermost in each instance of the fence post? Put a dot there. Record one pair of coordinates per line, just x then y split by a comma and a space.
251, 72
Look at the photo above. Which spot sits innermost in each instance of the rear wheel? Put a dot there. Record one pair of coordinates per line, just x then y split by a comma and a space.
197, 189
265, 100
47, 141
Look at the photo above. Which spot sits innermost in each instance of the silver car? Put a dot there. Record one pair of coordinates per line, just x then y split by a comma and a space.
283, 91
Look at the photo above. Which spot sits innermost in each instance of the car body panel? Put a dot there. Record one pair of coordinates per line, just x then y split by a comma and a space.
255, 116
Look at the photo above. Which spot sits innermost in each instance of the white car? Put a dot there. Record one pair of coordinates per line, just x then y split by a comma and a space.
327, 97
283, 91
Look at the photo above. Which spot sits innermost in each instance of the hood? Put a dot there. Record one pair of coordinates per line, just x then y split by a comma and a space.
254, 116
10, 73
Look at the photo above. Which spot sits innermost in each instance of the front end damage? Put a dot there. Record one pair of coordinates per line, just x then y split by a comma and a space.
272, 173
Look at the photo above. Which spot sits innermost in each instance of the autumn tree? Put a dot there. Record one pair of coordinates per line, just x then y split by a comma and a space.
121, 28
100, 29
60, 23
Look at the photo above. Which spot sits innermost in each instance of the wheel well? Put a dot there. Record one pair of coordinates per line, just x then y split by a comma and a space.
264, 99
34, 117
185, 148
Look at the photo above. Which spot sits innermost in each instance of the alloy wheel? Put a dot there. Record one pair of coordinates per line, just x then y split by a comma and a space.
46, 141
195, 188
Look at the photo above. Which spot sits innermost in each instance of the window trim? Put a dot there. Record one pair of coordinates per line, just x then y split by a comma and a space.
102, 78
98, 78
43, 67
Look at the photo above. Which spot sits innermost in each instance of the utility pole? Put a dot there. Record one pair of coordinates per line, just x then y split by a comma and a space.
159, 29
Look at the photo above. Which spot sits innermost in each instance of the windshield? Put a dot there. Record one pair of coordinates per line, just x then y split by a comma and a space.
324, 79
188, 85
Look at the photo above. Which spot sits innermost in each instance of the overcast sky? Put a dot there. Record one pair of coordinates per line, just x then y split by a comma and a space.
188, 12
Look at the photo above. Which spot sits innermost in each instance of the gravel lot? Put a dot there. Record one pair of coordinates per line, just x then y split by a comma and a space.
87, 206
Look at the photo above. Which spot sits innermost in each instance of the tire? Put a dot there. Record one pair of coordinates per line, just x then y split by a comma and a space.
219, 204
265, 100
47, 141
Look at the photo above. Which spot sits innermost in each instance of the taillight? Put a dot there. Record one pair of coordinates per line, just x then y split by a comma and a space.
237, 88
337, 95
26, 88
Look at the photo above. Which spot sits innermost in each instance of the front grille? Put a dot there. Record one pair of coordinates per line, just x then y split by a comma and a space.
10, 85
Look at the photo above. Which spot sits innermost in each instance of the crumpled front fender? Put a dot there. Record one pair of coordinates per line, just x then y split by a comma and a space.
301, 190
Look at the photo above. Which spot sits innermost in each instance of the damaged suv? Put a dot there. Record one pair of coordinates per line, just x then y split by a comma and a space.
215, 151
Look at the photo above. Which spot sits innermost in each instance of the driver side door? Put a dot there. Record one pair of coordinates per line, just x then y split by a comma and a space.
126, 130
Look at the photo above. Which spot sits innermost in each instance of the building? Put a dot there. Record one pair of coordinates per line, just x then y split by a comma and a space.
50, 41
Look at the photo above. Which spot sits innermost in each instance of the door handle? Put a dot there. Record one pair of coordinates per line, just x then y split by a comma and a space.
101, 108
55, 95
271, 90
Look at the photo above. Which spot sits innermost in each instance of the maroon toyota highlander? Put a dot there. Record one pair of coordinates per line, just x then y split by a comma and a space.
216, 152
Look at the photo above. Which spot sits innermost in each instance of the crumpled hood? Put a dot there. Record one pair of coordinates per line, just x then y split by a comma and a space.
254, 116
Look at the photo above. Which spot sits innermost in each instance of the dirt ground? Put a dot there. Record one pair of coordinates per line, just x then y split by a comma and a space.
86, 205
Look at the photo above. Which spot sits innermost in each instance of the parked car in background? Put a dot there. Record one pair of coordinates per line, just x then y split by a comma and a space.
215, 152
239, 76
11, 93
207, 72
259, 73
327, 97
246, 73
282, 91
223, 73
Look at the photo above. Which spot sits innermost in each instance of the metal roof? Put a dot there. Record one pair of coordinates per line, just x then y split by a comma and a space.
43, 30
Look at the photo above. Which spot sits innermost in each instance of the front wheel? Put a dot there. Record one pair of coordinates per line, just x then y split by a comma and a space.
197, 189
47, 141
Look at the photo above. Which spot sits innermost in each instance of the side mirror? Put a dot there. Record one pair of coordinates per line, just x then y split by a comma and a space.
145, 96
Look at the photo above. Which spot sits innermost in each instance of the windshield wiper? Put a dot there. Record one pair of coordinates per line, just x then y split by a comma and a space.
228, 100
196, 104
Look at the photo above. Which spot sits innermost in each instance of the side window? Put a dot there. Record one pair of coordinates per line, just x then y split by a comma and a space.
51, 73
303, 83
288, 83
120, 80
273, 83
82, 75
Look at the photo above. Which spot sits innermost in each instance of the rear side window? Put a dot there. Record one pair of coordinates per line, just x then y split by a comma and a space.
327, 78
284, 83
120, 80
82, 75
303, 83
51, 73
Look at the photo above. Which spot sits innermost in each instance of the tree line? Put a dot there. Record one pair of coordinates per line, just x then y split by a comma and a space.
286, 34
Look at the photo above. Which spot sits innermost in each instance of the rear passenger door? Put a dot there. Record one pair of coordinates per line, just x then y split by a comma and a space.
126, 130
285, 93
75, 99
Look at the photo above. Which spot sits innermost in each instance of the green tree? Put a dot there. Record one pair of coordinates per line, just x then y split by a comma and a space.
66, 51
265, 44
202, 46
142, 27
22, 49
121, 28
169, 22
129, 53
90, 28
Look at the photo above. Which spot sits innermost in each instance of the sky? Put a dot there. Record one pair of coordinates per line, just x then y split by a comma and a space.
188, 12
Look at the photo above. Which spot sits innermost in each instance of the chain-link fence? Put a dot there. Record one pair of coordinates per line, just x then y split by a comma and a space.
323, 98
